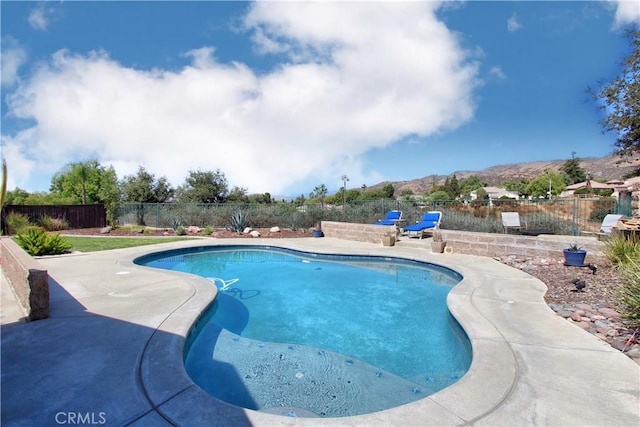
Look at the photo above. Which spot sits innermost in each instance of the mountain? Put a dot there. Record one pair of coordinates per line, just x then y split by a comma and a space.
603, 168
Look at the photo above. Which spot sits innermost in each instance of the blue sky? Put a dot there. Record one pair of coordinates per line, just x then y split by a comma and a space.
283, 96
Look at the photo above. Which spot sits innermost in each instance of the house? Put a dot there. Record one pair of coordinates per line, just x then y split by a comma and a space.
595, 185
496, 193
628, 194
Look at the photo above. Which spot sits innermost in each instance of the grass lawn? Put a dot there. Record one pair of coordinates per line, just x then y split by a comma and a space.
94, 244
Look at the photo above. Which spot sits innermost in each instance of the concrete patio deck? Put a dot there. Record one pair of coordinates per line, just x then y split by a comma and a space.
111, 352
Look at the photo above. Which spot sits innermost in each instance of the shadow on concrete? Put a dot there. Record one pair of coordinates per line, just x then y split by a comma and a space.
81, 367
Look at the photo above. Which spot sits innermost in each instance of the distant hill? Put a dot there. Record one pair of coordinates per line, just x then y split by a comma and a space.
605, 168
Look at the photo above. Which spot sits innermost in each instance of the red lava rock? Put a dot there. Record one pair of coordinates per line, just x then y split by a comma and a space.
597, 300
584, 325
609, 312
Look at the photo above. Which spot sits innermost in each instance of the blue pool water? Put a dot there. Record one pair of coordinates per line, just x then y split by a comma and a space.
303, 334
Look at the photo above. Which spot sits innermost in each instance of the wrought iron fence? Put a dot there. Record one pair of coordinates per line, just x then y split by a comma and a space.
557, 216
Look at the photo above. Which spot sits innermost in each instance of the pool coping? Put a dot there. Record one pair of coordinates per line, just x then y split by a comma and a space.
448, 407
526, 360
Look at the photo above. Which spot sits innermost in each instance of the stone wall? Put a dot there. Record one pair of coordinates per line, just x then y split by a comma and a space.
27, 278
369, 233
495, 245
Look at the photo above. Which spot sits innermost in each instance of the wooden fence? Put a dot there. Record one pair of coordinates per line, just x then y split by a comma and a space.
77, 216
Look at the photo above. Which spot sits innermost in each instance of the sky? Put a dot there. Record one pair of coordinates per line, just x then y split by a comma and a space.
284, 96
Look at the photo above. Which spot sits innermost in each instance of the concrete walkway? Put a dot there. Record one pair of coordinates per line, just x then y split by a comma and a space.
111, 352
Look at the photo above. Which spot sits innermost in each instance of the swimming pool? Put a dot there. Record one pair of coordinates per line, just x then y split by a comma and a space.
320, 335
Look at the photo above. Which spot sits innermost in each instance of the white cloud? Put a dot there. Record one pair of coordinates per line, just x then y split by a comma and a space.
497, 73
359, 76
39, 17
512, 23
627, 12
13, 56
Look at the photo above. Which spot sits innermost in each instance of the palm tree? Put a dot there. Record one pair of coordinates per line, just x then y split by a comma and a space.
320, 192
83, 174
345, 178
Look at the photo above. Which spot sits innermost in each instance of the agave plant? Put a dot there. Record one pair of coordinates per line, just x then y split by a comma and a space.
35, 241
239, 221
574, 248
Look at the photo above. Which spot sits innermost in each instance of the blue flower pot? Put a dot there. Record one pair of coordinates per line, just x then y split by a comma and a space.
574, 258
317, 233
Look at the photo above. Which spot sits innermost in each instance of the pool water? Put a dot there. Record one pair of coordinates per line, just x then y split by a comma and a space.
302, 334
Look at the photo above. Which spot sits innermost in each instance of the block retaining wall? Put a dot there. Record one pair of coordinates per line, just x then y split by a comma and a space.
369, 233
473, 243
495, 245
27, 278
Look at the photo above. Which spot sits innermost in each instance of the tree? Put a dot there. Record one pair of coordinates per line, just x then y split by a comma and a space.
481, 194
264, 198
43, 198
388, 191
452, 187
82, 171
86, 182
439, 196
519, 186
548, 180
345, 179
204, 187
17, 197
620, 100
238, 195
372, 194
472, 183
143, 187
572, 170
319, 192
352, 195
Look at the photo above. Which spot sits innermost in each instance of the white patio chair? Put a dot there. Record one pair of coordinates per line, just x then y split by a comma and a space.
511, 221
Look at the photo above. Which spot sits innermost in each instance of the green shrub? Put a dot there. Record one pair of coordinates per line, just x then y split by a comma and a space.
180, 230
35, 241
16, 223
623, 253
619, 250
53, 224
207, 231
629, 292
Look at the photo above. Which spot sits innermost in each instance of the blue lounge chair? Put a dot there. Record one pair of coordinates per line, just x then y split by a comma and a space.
430, 221
393, 218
